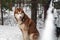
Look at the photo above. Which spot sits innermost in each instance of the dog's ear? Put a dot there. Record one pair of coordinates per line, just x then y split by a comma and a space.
22, 11
16, 10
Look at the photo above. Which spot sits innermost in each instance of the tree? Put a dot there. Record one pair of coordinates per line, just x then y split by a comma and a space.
19, 3
57, 5
45, 4
5, 4
1, 12
1, 9
34, 10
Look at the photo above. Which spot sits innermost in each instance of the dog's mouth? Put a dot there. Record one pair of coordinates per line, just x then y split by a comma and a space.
20, 18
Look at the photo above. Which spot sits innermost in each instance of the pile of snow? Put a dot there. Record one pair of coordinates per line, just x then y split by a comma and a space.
49, 30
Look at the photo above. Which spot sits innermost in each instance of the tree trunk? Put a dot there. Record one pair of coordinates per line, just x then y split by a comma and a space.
1, 14
45, 11
46, 6
0, 11
19, 3
10, 5
34, 10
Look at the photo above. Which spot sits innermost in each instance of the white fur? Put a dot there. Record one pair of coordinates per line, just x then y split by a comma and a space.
24, 31
31, 36
19, 15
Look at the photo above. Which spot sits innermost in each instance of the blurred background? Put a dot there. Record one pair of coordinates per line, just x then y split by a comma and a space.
35, 9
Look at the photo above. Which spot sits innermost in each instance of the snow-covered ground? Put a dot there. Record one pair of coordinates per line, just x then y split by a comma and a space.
10, 33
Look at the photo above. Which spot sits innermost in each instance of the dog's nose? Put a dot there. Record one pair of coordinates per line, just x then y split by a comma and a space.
20, 17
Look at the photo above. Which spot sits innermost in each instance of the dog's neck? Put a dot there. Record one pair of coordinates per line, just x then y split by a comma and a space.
20, 22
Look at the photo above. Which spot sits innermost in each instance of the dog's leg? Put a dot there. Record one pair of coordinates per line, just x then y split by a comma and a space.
33, 36
24, 30
25, 35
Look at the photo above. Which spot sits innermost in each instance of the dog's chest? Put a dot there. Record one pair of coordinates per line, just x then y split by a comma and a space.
23, 27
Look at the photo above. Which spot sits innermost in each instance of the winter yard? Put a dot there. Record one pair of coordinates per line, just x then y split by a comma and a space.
10, 30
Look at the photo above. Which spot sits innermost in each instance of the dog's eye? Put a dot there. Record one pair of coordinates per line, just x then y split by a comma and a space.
19, 12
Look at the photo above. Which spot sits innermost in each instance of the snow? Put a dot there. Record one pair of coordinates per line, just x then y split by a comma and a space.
49, 30
10, 33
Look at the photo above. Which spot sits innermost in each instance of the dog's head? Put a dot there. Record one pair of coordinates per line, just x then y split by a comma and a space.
19, 14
